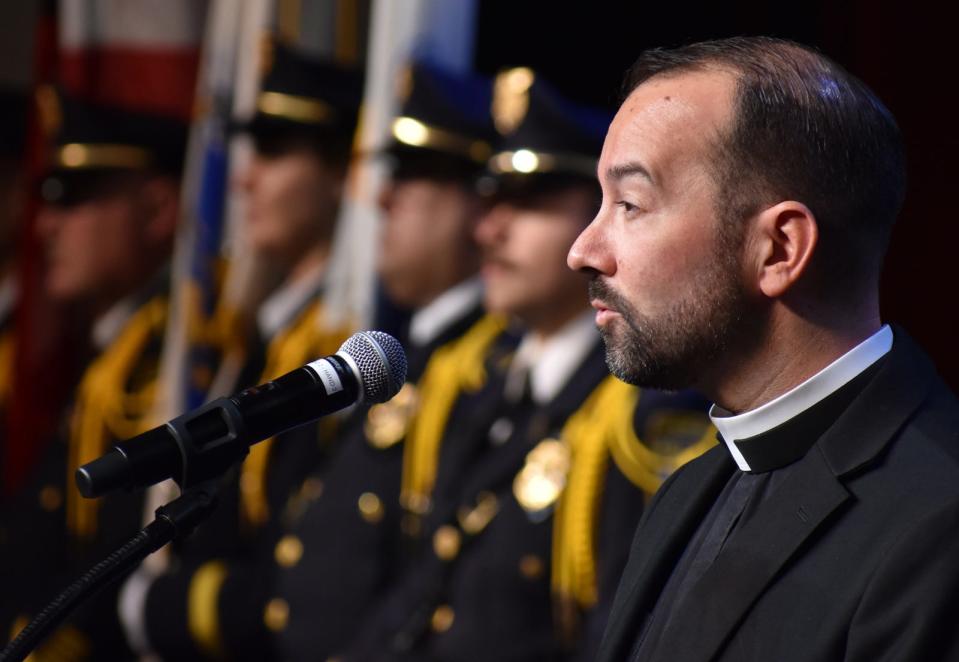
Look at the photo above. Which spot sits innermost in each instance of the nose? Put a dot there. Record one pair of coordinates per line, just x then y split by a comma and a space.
245, 178
493, 225
590, 252
386, 197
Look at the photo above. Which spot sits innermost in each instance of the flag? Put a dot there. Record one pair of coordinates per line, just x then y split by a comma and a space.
442, 31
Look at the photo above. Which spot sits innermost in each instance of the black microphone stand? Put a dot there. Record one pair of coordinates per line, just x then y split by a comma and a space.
173, 521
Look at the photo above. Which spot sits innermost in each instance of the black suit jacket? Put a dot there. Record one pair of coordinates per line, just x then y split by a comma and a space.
855, 556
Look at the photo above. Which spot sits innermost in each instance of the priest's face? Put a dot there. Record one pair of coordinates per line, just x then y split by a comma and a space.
662, 252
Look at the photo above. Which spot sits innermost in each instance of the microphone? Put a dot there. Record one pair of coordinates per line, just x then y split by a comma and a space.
202, 444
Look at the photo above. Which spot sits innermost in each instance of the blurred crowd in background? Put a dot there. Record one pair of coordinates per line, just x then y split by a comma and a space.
200, 196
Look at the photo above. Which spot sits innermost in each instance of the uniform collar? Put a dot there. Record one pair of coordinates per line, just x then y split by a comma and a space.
749, 436
108, 326
435, 317
279, 309
552, 361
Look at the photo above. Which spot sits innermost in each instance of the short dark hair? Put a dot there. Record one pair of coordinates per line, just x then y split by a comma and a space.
804, 129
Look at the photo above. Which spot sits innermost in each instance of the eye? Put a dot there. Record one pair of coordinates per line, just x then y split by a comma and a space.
628, 207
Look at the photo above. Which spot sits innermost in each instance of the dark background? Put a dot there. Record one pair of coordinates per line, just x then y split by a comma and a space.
905, 51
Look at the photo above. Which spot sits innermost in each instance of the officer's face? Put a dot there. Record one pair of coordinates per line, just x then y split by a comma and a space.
95, 249
668, 292
524, 247
427, 244
291, 203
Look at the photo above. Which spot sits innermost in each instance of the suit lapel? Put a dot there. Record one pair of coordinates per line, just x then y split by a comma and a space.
753, 557
799, 506
672, 518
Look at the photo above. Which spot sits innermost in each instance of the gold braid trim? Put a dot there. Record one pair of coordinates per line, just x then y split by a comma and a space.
643, 466
601, 428
203, 616
106, 410
6, 366
304, 340
454, 368
574, 522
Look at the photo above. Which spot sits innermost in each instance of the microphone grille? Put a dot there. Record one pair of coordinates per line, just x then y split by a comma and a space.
381, 362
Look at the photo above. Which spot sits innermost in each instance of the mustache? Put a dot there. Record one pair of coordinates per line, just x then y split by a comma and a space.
603, 291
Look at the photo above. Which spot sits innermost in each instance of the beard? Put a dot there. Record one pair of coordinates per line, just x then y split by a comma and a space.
689, 341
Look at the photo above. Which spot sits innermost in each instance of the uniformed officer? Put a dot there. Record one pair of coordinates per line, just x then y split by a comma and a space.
342, 545
111, 201
211, 601
529, 498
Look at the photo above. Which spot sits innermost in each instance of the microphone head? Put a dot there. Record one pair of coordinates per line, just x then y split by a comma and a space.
381, 363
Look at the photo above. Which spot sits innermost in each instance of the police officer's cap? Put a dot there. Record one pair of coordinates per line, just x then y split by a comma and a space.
546, 142
93, 144
306, 101
444, 129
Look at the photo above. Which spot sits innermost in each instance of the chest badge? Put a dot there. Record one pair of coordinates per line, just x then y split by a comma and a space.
387, 423
542, 479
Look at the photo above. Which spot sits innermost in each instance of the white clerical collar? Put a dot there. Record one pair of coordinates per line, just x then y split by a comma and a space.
552, 361
108, 326
800, 398
435, 317
278, 310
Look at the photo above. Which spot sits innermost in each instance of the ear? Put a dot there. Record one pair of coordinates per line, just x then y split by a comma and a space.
784, 240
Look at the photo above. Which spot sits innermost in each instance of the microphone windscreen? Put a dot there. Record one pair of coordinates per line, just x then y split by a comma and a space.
381, 363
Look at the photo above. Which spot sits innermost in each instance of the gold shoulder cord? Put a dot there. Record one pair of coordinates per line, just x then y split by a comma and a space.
306, 339
574, 523
601, 428
454, 368
106, 411
643, 466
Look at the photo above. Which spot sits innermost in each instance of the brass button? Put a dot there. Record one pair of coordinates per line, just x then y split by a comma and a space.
531, 566
442, 619
51, 498
288, 551
473, 520
371, 507
500, 431
446, 542
277, 614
